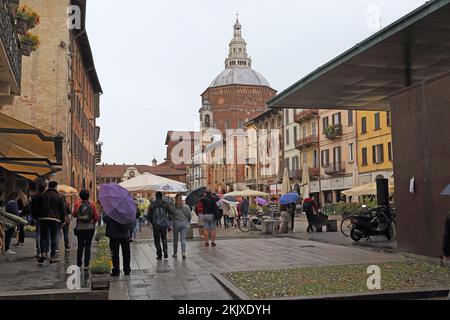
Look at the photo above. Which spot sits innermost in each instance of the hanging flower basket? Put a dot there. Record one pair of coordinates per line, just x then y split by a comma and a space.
28, 43
26, 18
21, 26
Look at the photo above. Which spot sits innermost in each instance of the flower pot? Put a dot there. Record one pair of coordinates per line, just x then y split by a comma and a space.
100, 282
26, 48
22, 26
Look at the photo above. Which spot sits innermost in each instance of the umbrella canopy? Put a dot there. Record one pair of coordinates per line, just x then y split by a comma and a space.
368, 189
169, 187
247, 193
230, 199
151, 182
67, 190
305, 181
194, 197
286, 186
261, 202
118, 203
289, 198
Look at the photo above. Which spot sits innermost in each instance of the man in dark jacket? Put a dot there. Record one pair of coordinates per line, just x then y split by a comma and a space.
51, 213
34, 208
158, 217
119, 238
210, 210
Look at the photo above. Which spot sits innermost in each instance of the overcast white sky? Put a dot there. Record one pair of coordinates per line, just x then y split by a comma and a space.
155, 58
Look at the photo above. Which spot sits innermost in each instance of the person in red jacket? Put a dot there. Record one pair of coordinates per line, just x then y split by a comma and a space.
87, 216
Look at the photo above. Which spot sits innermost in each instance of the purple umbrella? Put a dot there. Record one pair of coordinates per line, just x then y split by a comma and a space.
261, 202
118, 203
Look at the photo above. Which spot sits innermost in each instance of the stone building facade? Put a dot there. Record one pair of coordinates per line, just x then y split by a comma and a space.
60, 90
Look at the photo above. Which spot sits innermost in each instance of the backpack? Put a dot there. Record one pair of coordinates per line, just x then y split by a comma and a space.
218, 212
85, 213
161, 217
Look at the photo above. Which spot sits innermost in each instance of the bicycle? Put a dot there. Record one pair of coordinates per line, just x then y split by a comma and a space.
253, 224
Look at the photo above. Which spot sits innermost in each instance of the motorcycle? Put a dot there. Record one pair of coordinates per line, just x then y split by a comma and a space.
376, 222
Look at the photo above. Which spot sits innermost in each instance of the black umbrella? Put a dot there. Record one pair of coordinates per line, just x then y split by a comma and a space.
194, 197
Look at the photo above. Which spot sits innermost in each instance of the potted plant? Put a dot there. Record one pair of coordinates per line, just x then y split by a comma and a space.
28, 43
26, 19
100, 267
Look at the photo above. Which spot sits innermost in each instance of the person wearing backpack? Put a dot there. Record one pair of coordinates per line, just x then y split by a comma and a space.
159, 219
86, 214
211, 216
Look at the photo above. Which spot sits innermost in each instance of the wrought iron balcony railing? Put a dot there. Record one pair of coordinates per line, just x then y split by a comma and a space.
305, 115
307, 142
10, 40
334, 169
334, 131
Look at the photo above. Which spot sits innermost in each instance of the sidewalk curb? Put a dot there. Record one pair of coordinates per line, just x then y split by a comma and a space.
406, 294
233, 290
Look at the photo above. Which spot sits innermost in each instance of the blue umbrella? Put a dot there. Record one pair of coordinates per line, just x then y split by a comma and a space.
289, 198
118, 203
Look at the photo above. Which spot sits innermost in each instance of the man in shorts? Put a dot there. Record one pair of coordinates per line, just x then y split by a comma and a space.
209, 203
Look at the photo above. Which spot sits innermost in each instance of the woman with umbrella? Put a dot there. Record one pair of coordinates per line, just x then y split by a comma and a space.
120, 214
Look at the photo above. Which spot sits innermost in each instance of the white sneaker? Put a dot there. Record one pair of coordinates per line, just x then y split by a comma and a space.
10, 252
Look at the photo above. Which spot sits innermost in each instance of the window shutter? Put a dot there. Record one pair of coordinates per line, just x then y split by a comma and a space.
382, 153
374, 154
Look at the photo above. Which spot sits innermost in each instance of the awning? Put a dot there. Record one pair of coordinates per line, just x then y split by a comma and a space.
409, 51
28, 151
368, 189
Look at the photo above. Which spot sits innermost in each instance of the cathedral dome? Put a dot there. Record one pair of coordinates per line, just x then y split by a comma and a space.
238, 65
240, 75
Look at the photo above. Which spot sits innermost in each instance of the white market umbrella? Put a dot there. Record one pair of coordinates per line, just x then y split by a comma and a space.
151, 182
305, 182
368, 189
286, 186
247, 193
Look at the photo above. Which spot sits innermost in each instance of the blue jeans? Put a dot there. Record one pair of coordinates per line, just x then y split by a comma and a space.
179, 229
49, 228
38, 238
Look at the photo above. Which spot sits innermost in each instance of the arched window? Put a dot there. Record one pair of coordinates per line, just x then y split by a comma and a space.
207, 121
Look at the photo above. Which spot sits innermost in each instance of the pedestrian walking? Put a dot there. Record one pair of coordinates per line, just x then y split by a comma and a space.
292, 209
87, 217
181, 217
244, 208
200, 218
309, 207
16, 201
226, 214
159, 219
34, 208
211, 211
119, 239
233, 215
51, 214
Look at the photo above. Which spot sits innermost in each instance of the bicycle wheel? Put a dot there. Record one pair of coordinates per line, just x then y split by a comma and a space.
346, 226
255, 226
244, 225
